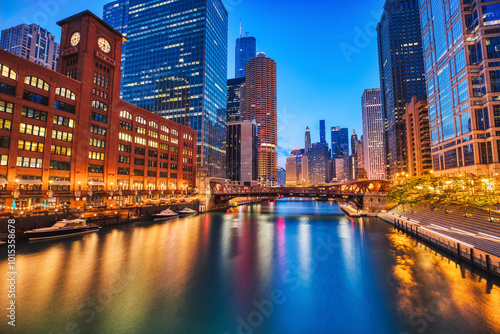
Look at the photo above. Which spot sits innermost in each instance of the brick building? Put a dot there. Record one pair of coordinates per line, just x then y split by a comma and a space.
67, 136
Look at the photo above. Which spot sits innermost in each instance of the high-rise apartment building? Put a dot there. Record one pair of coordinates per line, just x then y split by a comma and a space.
307, 140
322, 131
241, 151
335, 136
462, 62
261, 104
234, 98
354, 142
418, 137
246, 49
373, 134
31, 42
176, 67
281, 172
401, 70
318, 164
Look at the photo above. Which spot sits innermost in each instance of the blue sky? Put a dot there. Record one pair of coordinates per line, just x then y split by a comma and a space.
325, 50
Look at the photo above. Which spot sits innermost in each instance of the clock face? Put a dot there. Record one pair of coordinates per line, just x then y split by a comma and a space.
75, 39
103, 45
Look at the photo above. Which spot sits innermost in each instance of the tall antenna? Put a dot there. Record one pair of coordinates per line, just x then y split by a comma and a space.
240, 28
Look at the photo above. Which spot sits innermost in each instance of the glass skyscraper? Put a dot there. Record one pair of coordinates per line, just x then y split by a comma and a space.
234, 98
401, 72
176, 67
373, 134
246, 49
322, 131
462, 63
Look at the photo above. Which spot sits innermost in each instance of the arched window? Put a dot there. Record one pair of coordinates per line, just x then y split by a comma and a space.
65, 92
37, 82
153, 124
164, 128
175, 132
8, 72
100, 105
125, 114
141, 120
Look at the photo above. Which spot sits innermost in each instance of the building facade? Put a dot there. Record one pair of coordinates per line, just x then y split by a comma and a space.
317, 157
242, 152
234, 98
33, 43
176, 67
418, 137
462, 63
246, 49
307, 140
67, 137
373, 134
401, 71
260, 103
322, 131
281, 177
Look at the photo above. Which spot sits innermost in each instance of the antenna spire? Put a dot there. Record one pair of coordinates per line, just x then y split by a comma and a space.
240, 28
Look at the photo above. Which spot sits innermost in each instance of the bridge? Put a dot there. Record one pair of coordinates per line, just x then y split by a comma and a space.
368, 194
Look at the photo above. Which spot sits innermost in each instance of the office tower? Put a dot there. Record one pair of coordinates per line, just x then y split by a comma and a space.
360, 155
242, 151
353, 167
261, 104
73, 140
373, 134
297, 169
401, 70
418, 137
340, 175
234, 98
33, 43
176, 67
116, 15
281, 172
307, 139
335, 136
318, 164
246, 49
322, 131
354, 142
463, 85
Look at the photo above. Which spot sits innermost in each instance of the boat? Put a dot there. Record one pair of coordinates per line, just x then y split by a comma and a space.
233, 204
187, 211
165, 214
61, 229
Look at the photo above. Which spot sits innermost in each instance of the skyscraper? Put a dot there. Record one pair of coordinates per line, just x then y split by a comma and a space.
354, 142
234, 98
307, 139
318, 164
373, 134
33, 43
322, 131
176, 67
261, 104
463, 82
242, 151
418, 137
246, 49
335, 136
401, 70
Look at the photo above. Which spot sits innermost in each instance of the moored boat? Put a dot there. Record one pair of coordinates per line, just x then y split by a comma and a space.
187, 211
61, 229
165, 214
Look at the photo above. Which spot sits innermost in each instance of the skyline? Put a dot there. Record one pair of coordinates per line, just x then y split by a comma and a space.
332, 91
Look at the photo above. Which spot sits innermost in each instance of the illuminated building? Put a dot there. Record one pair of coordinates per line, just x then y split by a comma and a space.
246, 49
318, 164
234, 98
307, 140
242, 152
418, 137
373, 134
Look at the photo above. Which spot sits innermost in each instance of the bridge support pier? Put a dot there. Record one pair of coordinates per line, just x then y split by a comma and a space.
203, 185
375, 202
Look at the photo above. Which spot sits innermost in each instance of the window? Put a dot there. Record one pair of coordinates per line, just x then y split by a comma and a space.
482, 119
164, 156
124, 148
33, 130
140, 130
173, 166
33, 146
164, 175
7, 72
96, 169
174, 149
126, 126
6, 107
36, 98
100, 105
138, 162
125, 114
123, 171
64, 121
152, 154
101, 143
123, 159
36, 82
61, 135
151, 173
152, 163
65, 107
141, 120
96, 155
4, 142
124, 136
152, 143
27, 162
153, 124
164, 165
163, 137
98, 117
140, 141
173, 175
34, 114
175, 132
60, 165
174, 140
4, 160
7, 89
65, 93
97, 130
164, 128
138, 172
5, 124
60, 150
153, 134
164, 147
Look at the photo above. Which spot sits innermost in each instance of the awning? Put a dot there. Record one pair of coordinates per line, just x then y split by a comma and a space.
3, 181
29, 182
92, 183
61, 183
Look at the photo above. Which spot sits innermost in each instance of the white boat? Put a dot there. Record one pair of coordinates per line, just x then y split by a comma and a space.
165, 214
61, 229
187, 211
